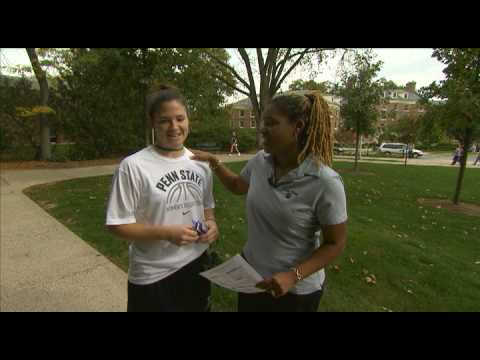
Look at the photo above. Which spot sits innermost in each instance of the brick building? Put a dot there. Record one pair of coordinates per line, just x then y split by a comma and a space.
242, 115
398, 103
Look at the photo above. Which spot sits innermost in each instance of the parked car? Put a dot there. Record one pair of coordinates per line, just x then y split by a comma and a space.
338, 149
399, 148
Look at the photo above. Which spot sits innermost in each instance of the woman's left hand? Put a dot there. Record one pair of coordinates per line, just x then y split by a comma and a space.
279, 284
212, 233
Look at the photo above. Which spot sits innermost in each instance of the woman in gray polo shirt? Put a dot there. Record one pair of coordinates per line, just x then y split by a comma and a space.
296, 204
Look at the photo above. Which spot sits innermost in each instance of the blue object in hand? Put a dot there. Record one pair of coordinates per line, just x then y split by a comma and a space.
199, 227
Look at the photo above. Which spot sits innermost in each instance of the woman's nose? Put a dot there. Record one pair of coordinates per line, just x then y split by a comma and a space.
173, 124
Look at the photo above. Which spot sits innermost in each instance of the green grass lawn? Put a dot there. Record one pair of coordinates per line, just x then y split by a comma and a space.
423, 259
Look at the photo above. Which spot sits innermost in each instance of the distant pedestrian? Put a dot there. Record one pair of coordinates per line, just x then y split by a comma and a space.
234, 144
477, 160
457, 156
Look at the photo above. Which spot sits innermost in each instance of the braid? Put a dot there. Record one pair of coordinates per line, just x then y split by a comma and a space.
318, 135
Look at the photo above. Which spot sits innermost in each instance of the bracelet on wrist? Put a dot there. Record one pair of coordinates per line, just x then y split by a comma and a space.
297, 272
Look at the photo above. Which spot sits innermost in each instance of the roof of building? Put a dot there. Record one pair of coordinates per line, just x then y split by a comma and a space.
247, 104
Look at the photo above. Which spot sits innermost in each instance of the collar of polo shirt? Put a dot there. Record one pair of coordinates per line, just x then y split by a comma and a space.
307, 168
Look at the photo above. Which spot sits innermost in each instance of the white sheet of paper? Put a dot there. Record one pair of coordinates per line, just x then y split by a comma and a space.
235, 274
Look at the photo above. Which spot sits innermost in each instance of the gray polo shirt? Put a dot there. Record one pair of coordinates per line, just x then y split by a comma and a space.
284, 220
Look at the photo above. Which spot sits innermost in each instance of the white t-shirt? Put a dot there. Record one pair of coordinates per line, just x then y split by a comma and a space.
149, 188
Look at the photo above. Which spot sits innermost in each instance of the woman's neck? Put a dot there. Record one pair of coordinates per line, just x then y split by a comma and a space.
170, 153
286, 161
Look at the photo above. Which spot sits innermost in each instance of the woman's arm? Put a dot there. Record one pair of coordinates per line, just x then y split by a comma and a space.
335, 240
233, 182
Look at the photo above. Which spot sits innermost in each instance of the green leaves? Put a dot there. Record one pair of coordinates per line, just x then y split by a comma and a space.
26, 112
361, 94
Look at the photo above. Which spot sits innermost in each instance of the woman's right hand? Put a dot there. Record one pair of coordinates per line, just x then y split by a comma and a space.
182, 235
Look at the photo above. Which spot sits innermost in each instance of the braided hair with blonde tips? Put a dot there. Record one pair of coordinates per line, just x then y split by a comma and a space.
316, 139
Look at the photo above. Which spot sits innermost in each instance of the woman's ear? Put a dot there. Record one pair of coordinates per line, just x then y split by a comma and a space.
300, 125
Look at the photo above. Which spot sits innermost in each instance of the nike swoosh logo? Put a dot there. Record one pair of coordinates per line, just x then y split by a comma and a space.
186, 212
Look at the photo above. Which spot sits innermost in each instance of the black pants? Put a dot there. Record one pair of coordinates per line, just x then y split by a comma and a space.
265, 302
184, 290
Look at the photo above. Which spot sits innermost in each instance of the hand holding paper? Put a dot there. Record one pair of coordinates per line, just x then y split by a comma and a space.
235, 274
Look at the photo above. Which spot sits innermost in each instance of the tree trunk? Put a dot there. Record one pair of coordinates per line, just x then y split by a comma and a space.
357, 143
258, 121
463, 164
45, 150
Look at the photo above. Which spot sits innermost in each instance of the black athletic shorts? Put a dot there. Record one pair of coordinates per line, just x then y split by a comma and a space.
184, 290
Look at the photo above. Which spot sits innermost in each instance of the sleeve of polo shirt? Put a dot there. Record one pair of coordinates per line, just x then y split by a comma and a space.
124, 198
247, 170
332, 205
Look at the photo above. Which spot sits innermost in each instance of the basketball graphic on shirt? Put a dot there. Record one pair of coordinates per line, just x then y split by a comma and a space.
184, 191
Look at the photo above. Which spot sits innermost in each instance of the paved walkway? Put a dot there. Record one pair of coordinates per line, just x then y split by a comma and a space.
43, 265
424, 161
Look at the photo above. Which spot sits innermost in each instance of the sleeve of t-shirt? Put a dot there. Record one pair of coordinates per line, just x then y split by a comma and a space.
124, 198
208, 200
332, 205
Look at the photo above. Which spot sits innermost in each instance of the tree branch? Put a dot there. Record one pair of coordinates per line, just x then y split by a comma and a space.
273, 67
261, 63
300, 57
276, 76
232, 86
39, 74
253, 91
229, 67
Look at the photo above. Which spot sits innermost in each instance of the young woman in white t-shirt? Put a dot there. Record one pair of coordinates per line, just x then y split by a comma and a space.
158, 198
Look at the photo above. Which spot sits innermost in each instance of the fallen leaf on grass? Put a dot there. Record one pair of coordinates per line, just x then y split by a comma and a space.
49, 206
370, 280
336, 268
365, 271
351, 260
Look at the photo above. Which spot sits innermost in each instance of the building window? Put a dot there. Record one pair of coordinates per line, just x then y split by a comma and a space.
242, 124
405, 95
252, 115
242, 113
252, 124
